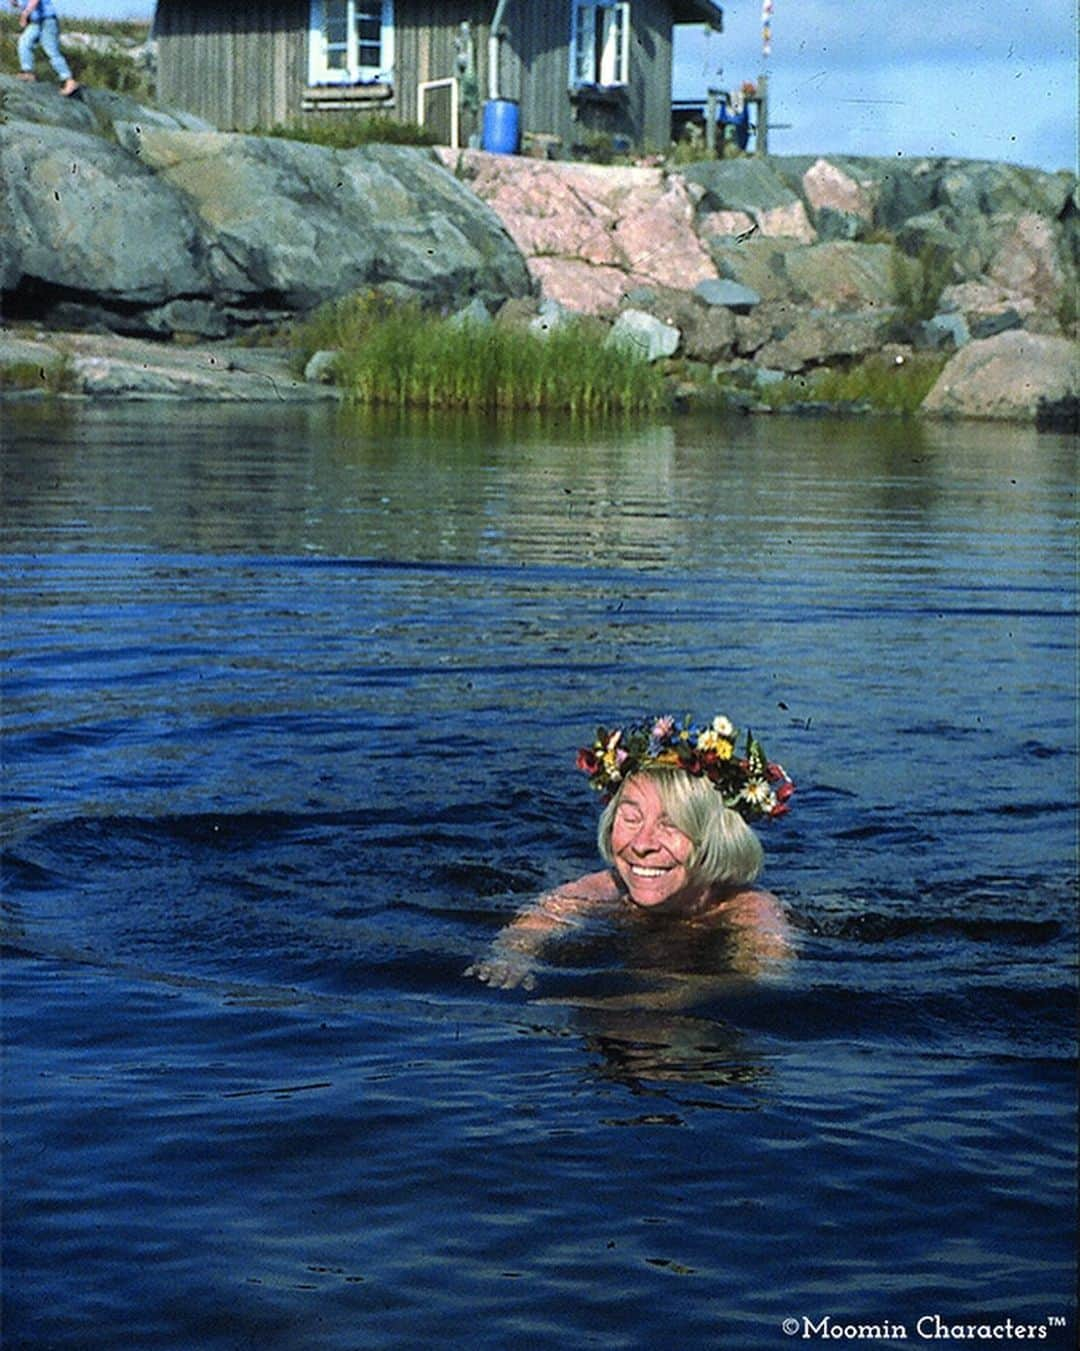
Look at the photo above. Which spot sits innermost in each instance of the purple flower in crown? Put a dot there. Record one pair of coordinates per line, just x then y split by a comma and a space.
663, 729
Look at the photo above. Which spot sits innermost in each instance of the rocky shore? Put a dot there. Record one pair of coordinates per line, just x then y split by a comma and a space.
145, 249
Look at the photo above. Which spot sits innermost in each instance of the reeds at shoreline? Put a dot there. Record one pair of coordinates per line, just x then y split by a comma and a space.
399, 355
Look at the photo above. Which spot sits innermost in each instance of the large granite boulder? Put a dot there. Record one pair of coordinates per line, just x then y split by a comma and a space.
592, 233
302, 223
1014, 376
130, 219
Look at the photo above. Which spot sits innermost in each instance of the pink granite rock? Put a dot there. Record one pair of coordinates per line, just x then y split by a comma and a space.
589, 232
1009, 376
828, 187
658, 241
1026, 262
725, 223
579, 285
789, 221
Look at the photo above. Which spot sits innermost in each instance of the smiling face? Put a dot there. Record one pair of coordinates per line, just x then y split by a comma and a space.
650, 854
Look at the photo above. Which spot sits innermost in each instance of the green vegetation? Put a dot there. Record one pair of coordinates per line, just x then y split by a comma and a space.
917, 283
398, 355
113, 69
350, 130
879, 382
56, 377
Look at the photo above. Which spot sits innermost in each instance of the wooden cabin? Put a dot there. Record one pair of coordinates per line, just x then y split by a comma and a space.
574, 71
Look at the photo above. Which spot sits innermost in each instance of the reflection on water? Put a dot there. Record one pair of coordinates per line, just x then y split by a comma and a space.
752, 494
291, 700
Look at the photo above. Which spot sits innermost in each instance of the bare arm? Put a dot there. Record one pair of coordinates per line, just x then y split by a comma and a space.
24, 17
510, 958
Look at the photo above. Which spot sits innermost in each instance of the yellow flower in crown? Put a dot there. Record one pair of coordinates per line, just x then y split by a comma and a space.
719, 737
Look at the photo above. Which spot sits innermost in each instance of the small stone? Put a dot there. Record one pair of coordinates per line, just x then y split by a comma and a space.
732, 294
643, 333
474, 315
322, 367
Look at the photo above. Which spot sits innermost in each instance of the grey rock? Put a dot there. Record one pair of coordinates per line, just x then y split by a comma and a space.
841, 276
818, 337
708, 331
748, 185
200, 317
942, 333
108, 367
965, 240
976, 187
760, 264
640, 297
88, 219
145, 221
19, 351
550, 316
731, 294
322, 366
833, 224
643, 333
473, 315
990, 325
308, 223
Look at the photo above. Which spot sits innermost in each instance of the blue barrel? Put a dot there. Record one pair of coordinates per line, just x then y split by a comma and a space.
502, 127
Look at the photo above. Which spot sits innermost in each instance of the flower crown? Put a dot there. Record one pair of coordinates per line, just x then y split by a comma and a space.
750, 785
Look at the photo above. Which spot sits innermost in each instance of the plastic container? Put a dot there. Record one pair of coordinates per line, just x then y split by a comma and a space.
501, 127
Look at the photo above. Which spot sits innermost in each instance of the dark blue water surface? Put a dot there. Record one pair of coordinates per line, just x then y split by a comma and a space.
291, 701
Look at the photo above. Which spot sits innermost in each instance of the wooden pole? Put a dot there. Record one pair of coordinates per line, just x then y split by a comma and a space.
710, 122
763, 115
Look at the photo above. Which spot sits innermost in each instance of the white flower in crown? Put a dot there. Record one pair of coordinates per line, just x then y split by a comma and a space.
758, 793
723, 727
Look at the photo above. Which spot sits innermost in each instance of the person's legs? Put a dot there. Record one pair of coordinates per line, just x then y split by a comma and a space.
50, 45
28, 40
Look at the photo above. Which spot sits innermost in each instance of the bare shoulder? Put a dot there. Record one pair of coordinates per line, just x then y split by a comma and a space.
754, 909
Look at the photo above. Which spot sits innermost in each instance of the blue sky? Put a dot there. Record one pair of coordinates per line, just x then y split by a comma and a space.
983, 79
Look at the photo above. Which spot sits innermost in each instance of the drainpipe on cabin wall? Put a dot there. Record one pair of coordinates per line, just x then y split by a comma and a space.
493, 50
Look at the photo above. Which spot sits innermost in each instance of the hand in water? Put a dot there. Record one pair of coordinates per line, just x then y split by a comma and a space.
505, 972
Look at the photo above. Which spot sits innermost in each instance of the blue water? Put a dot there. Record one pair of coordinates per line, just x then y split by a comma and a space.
290, 706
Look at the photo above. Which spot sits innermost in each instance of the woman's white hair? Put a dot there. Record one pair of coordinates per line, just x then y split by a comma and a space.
726, 852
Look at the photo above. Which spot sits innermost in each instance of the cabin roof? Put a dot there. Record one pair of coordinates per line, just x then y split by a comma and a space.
698, 11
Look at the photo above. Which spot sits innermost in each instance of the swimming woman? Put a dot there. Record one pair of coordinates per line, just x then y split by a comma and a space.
675, 833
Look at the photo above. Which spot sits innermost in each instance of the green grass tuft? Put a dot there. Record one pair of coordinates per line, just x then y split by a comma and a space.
53, 377
877, 382
398, 356
917, 283
351, 130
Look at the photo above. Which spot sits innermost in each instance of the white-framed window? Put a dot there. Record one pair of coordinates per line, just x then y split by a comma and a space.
351, 41
600, 43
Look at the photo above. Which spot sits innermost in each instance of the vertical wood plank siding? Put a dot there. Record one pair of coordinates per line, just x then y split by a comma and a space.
245, 66
240, 66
